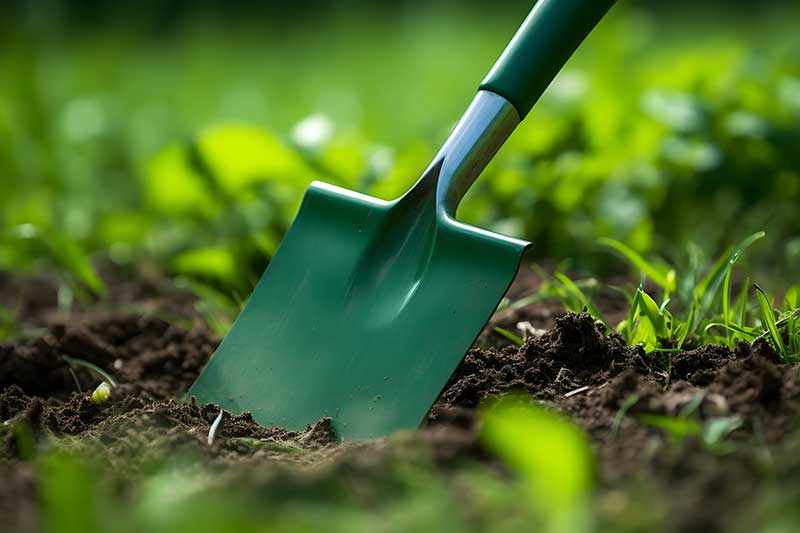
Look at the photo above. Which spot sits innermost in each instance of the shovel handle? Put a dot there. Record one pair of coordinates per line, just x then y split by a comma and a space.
548, 37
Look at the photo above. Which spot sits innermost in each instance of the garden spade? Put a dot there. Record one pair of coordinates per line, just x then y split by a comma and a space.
368, 305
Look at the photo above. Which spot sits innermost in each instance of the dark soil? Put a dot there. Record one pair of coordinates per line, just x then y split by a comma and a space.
575, 366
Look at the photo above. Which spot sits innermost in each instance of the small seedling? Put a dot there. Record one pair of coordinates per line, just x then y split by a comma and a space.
102, 393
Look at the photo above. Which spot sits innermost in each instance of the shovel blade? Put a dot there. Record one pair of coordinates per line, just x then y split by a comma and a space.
362, 315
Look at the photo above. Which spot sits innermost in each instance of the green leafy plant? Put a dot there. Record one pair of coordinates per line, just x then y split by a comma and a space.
704, 304
101, 393
648, 321
778, 325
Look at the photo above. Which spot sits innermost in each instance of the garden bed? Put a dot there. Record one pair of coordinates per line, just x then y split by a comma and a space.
723, 464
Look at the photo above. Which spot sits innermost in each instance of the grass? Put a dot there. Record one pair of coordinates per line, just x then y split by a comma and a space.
689, 314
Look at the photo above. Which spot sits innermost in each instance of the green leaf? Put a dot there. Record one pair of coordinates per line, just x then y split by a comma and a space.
69, 494
658, 318
550, 453
706, 290
716, 429
240, 155
792, 298
215, 262
173, 187
768, 315
747, 332
626, 406
726, 298
583, 301
689, 324
692, 405
740, 307
647, 322
102, 393
90, 366
630, 322
510, 336
661, 275
677, 428
72, 258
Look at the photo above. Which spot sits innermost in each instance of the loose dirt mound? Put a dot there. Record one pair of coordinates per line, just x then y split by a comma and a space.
146, 355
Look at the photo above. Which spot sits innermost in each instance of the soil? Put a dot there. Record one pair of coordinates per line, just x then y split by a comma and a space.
569, 362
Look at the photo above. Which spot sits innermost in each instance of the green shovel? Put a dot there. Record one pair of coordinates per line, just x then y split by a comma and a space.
368, 306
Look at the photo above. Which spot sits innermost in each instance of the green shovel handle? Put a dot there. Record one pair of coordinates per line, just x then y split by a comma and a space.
550, 34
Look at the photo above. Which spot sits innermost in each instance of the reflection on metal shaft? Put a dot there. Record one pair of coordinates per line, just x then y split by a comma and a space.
485, 126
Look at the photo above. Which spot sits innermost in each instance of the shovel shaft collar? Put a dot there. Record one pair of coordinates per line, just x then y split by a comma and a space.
541, 46
483, 129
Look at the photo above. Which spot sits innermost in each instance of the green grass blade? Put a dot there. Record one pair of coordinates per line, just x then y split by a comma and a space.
793, 333
689, 324
726, 299
526, 301
626, 406
632, 314
71, 257
646, 324
732, 328
579, 295
661, 275
791, 299
768, 315
677, 428
91, 366
516, 339
706, 290
741, 302
658, 317
716, 429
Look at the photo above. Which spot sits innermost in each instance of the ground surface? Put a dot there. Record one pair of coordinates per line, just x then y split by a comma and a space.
647, 477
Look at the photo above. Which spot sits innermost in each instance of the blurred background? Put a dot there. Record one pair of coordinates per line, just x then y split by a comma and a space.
177, 137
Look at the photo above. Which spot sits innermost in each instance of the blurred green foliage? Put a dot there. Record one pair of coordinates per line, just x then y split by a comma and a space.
551, 455
193, 147
187, 494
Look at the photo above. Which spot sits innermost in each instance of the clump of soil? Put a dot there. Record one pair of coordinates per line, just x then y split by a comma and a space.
152, 362
146, 355
574, 353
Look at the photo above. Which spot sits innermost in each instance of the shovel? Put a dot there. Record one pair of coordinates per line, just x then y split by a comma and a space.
369, 305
